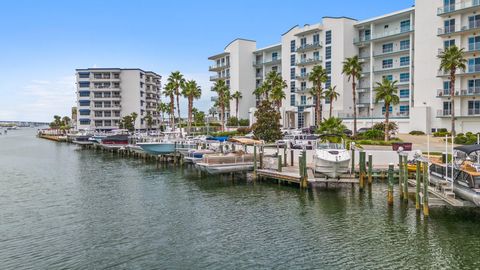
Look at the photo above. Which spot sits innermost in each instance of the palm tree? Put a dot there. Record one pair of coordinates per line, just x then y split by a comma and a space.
223, 92
452, 59
353, 69
162, 108
318, 76
149, 120
237, 96
169, 91
191, 91
332, 95
177, 81
387, 91
134, 116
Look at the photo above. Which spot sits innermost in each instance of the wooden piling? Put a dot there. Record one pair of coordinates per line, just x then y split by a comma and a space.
400, 174
405, 179
285, 156
418, 176
370, 169
254, 162
390, 184
426, 210
279, 165
291, 158
361, 166
353, 160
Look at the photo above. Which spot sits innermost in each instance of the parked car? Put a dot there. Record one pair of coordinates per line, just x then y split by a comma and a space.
348, 132
363, 130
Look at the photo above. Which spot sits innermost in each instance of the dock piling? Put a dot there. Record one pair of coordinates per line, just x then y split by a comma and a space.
279, 165
390, 184
418, 174
254, 162
370, 169
426, 184
362, 169
400, 175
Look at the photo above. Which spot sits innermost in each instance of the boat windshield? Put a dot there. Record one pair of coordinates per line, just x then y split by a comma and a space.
330, 146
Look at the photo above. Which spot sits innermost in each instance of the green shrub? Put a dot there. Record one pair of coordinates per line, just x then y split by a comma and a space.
373, 134
442, 130
416, 132
232, 121
244, 122
243, 130
441, 134
392, 127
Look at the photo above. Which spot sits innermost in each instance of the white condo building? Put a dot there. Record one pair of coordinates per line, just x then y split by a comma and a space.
105, 95
402, 46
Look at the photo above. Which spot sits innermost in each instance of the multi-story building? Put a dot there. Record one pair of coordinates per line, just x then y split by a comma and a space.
234, 66
105, 95
385, 48
440, 24
402, 46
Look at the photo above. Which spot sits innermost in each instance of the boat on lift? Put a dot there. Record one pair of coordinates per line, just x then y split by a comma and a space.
331, 159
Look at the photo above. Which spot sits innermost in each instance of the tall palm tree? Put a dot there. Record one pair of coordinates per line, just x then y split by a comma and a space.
387, 91
223, 92
162, 108
353, 69
177, 81
191, 91
452, 59
332, 95
318, 76
237, 96
169, 91
134, 116
149, 120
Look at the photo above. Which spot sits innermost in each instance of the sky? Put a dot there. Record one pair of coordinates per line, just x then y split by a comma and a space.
43, 41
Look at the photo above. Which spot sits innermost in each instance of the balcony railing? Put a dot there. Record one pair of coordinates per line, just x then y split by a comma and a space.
391, 52
219, 66
304, 104
302, 76
219, 77
311, 46
474, 25
301, 90
444, 113
385, 34
471, 69
308, 61
267, 62
457, 7
473, 112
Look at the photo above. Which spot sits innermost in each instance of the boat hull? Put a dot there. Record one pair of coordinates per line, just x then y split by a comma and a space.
158, 148
332, 169
224, 168
461, 191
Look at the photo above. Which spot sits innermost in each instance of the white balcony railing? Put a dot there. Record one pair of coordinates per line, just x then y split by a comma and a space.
458, 6
384, 34
457, 28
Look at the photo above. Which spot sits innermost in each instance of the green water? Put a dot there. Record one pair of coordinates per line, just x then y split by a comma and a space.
64, 208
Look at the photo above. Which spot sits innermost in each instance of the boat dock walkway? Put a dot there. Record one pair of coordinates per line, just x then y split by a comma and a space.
438, 198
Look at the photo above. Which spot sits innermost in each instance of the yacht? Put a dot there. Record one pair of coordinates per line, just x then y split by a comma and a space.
331, 159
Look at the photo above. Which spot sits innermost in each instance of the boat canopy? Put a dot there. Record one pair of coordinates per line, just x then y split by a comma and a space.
468, 149
246, 141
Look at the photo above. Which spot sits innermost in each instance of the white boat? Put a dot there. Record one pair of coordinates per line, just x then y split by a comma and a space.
194, 156
331, 159
226, 163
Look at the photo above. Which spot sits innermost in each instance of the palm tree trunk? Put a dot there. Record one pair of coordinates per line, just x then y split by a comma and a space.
319, 116
178, 112
190, 101
222, 117
236, 107
452, 104
387, 115
331, 107
354, 85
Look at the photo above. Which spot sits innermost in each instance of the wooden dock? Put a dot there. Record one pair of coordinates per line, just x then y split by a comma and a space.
439, 198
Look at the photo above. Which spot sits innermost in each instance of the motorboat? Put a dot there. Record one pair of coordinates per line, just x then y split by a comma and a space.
162, 145
460, 177
238, 161
82, 140
331, 159
193, 156
115, 141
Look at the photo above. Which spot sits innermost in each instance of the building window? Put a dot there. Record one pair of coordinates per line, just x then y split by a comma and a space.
328, 37
141, 75
98, 123
303, 100
303, 86
98, 113
292, 46
84, 93
405, 26
448, 43
404, 61
474, 43
388, 77
328, 83
84, 84
84, 112
449, 26
405, 44
107, 114
84, 121
328, 67
84, 102
292, 86
448, 5
108, 123
292, 60
404, 108
84, 75
274, 68
474, 65
404, 93
303, 41
474, 21
316, 56
404, 77
274, 56
473, 107
316, 39
303, 72
292, 74
141, 84
328, 52
292, 100
386, 48
390, 109
387, 63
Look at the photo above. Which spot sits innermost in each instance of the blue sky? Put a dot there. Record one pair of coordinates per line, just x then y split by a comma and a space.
43, 42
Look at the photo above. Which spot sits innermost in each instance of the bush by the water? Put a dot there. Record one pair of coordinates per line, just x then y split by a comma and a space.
392, 127
243, 130
372, 134
416, 132
441, 134
468, 138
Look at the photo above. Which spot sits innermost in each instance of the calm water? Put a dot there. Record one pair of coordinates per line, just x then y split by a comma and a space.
63, 208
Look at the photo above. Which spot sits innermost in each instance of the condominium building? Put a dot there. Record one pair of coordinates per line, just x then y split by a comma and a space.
385, 48
402, 46
105, 95
440, 24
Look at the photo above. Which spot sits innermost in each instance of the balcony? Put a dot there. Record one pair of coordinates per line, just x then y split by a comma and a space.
398, 115
304, 104
458, 7
473, 112
272, 61
471, 92
444, 113
219, 66
392, 52
302, 76
308, 47
219, 77
302, 90
388, 68
387, 34
457, 29
471, 70
309, 61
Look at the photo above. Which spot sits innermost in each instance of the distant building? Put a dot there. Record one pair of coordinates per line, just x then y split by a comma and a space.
105, 95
